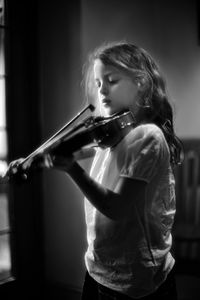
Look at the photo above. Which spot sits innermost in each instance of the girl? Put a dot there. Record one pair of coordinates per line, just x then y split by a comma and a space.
130, 192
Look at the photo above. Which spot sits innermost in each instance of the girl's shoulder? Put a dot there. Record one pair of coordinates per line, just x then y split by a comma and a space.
146, 131
147, 136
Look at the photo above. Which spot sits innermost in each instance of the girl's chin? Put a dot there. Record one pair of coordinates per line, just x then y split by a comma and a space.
110, 112
107, 111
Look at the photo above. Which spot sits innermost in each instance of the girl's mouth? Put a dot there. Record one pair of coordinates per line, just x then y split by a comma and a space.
106, 102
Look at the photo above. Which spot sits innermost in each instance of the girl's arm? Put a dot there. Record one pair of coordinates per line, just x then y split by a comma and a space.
114, 204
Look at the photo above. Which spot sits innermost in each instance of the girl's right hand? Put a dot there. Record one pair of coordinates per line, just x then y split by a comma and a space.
20, 167
13, 167
16, 170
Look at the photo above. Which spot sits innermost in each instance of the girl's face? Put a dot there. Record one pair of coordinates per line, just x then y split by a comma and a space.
116, 90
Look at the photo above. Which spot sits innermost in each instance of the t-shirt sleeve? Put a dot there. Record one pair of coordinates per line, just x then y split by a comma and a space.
146, 151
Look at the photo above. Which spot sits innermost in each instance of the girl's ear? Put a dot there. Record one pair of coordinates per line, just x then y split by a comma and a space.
141, 89
141, 84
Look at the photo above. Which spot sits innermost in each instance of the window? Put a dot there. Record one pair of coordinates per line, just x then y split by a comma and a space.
5, 253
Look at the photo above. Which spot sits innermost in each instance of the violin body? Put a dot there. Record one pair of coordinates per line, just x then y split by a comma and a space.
103, 133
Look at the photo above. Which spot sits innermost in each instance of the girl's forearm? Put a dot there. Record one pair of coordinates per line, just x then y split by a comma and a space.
102, 198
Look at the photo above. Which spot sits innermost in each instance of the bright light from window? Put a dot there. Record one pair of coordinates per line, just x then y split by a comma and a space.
4, 219
2, 53
2, 104
5, 257
5, 250
1, 12
3, 145
3, 167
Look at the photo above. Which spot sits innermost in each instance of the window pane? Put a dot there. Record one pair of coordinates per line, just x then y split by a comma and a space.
5, 257
4, 222
2, 52
2, 103
3, 167
3, 144
2, 18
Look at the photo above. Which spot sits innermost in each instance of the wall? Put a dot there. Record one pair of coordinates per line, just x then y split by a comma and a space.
168, 30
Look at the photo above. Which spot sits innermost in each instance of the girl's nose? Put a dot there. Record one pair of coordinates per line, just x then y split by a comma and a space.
103, 89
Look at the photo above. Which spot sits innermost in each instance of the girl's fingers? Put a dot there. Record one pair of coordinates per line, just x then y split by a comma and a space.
48, 161
13, 166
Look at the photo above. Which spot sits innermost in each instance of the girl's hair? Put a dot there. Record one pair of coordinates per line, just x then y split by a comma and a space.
154, 102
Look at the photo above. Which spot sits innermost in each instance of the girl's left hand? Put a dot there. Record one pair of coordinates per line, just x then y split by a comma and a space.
58, 162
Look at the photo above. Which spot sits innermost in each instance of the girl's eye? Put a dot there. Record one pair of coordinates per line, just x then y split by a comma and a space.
112, 80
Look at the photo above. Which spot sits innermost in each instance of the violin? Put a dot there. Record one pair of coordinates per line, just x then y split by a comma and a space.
93, 131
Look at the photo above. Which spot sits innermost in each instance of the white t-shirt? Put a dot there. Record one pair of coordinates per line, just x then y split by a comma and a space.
132, 255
